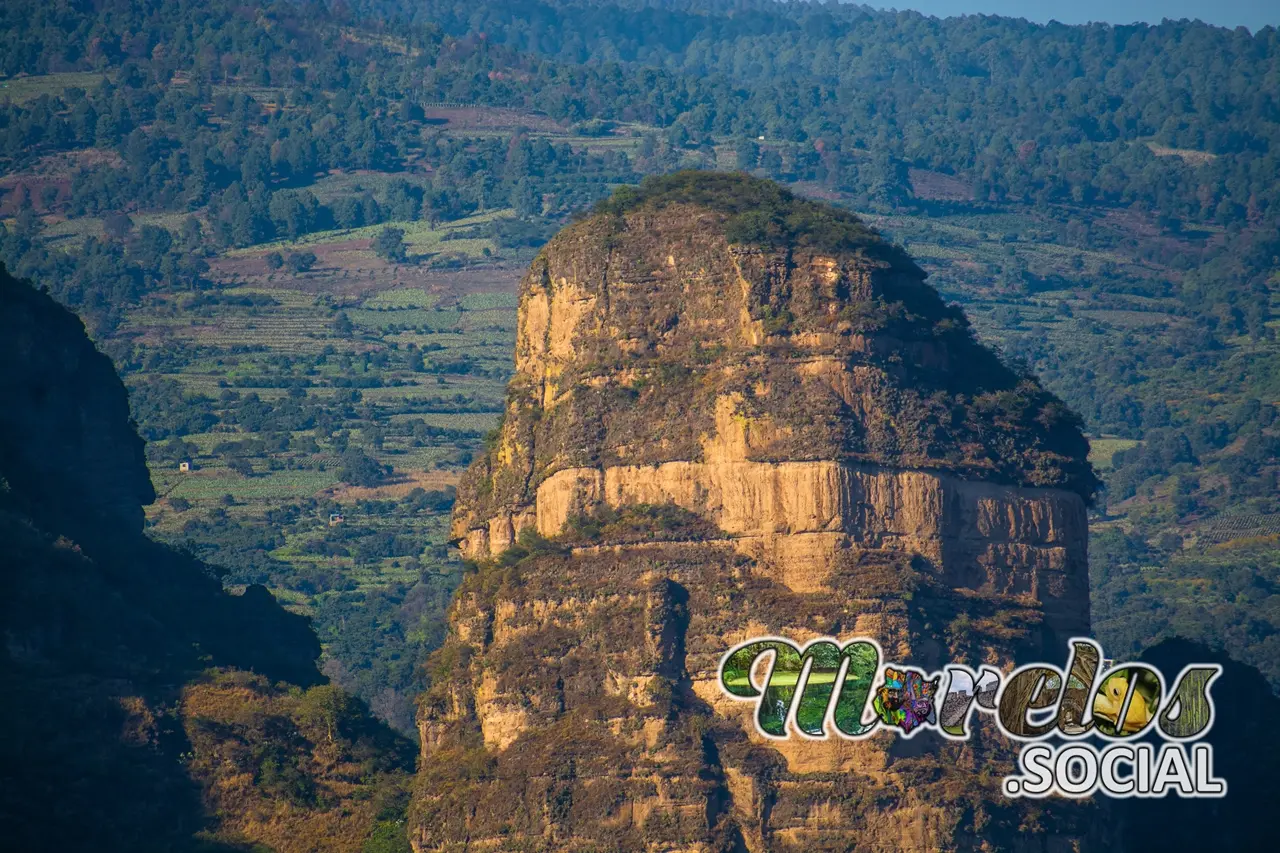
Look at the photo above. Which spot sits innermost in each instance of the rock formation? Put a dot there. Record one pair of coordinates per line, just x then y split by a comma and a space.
738, 413
145, 708
68, 446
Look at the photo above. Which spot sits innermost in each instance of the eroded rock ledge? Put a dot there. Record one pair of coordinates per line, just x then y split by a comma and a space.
820, 448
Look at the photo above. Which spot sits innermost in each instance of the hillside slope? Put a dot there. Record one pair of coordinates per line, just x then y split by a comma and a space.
145, 708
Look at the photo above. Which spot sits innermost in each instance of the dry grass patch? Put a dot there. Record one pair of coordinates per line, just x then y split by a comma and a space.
403, 485
1189, 156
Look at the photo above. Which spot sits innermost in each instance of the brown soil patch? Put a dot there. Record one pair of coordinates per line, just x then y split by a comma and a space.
490, 118
347, 269
936, 186
53, 170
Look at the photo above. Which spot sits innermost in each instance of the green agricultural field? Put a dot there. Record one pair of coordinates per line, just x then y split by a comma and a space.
19, 90
595, 144
447, 339
68, 233
1122, 319
261, 94
401, 298
489, 319
284, 296
211, 485
476, 422
418, 318
72, 231
1102, 449
489, 301
927, 250
332, 187
426, 458
419, 236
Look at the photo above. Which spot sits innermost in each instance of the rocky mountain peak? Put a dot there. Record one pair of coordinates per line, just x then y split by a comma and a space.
736, 413
708, 317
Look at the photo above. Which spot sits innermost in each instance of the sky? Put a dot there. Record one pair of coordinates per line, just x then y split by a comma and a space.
1253, 14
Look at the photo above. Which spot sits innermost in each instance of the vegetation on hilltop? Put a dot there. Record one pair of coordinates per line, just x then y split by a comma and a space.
760, 213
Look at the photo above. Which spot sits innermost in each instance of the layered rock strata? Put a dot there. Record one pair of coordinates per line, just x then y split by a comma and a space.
738, 413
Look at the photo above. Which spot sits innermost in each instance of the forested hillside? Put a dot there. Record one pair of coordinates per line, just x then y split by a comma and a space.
1021, 112
296, 229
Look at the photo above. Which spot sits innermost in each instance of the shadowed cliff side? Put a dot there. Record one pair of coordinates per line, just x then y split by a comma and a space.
738, 413
145, 708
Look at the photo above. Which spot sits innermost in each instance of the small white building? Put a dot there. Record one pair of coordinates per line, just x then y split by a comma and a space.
184, 467
336, 518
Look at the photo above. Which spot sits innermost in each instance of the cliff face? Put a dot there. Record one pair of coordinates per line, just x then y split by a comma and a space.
736, 413
783, 392
145, 708
67, 443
